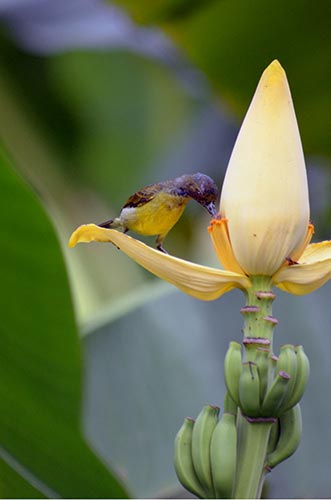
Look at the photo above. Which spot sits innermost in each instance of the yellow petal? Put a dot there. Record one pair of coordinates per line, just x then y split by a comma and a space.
310, 232
316, 252
201, 282
219, 234
265, 193
311, 272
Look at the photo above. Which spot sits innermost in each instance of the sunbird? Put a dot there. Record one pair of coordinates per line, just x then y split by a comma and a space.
155, 209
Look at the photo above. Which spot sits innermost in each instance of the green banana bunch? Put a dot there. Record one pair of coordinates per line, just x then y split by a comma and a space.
223, 455
183, 459
270, 387
232, 370
206, 453
290, 424
201, 439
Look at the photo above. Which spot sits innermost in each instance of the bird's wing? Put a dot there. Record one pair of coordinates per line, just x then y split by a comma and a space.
143, 196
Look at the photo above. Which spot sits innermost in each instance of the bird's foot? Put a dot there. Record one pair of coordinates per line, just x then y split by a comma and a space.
291, 262
160, 247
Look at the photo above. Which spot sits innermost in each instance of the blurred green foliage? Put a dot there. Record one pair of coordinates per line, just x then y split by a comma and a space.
232, 43
86, 128
121, 128
40, 382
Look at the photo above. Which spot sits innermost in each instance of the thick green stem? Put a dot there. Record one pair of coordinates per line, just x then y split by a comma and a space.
253, 435
258, 320
253, 444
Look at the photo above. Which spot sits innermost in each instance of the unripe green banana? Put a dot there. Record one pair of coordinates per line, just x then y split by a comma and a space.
249, 389
262, 362
290, 435
274, 436
201, 439
275, 395
302, 377
183, 459
287, 362
223, 455
232, 370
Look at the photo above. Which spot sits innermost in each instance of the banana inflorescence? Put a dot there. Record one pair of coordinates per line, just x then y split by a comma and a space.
265, 388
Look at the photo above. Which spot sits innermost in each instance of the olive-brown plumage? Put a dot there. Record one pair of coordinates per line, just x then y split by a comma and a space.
155, 209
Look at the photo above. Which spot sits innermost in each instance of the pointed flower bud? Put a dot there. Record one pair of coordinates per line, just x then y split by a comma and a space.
265, 193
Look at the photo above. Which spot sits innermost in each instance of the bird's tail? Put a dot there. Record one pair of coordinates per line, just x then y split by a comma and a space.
111, 223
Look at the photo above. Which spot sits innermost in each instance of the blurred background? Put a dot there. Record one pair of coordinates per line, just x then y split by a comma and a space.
98, 99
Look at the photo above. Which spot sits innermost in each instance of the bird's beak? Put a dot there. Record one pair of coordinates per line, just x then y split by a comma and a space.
211, 207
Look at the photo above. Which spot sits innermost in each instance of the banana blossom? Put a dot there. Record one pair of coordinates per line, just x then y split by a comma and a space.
263, 224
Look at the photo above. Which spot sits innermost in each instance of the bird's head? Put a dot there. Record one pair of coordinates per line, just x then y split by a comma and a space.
201, 188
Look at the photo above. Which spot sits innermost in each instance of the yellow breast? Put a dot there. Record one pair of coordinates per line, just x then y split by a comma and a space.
157, 216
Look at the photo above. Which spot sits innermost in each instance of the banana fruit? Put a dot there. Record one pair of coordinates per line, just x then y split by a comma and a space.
249, 389
183, 459
287, 362
275, 395
201, 439
232, 370
302, 376
290, 424
262, 361
223, 455
274, 437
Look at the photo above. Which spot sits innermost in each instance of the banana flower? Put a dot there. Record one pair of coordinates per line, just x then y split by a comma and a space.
262, 228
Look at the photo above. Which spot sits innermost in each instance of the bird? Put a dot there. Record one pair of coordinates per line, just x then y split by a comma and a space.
155, 208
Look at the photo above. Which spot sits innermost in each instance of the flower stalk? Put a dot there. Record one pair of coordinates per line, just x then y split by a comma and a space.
259, 322
254, 431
